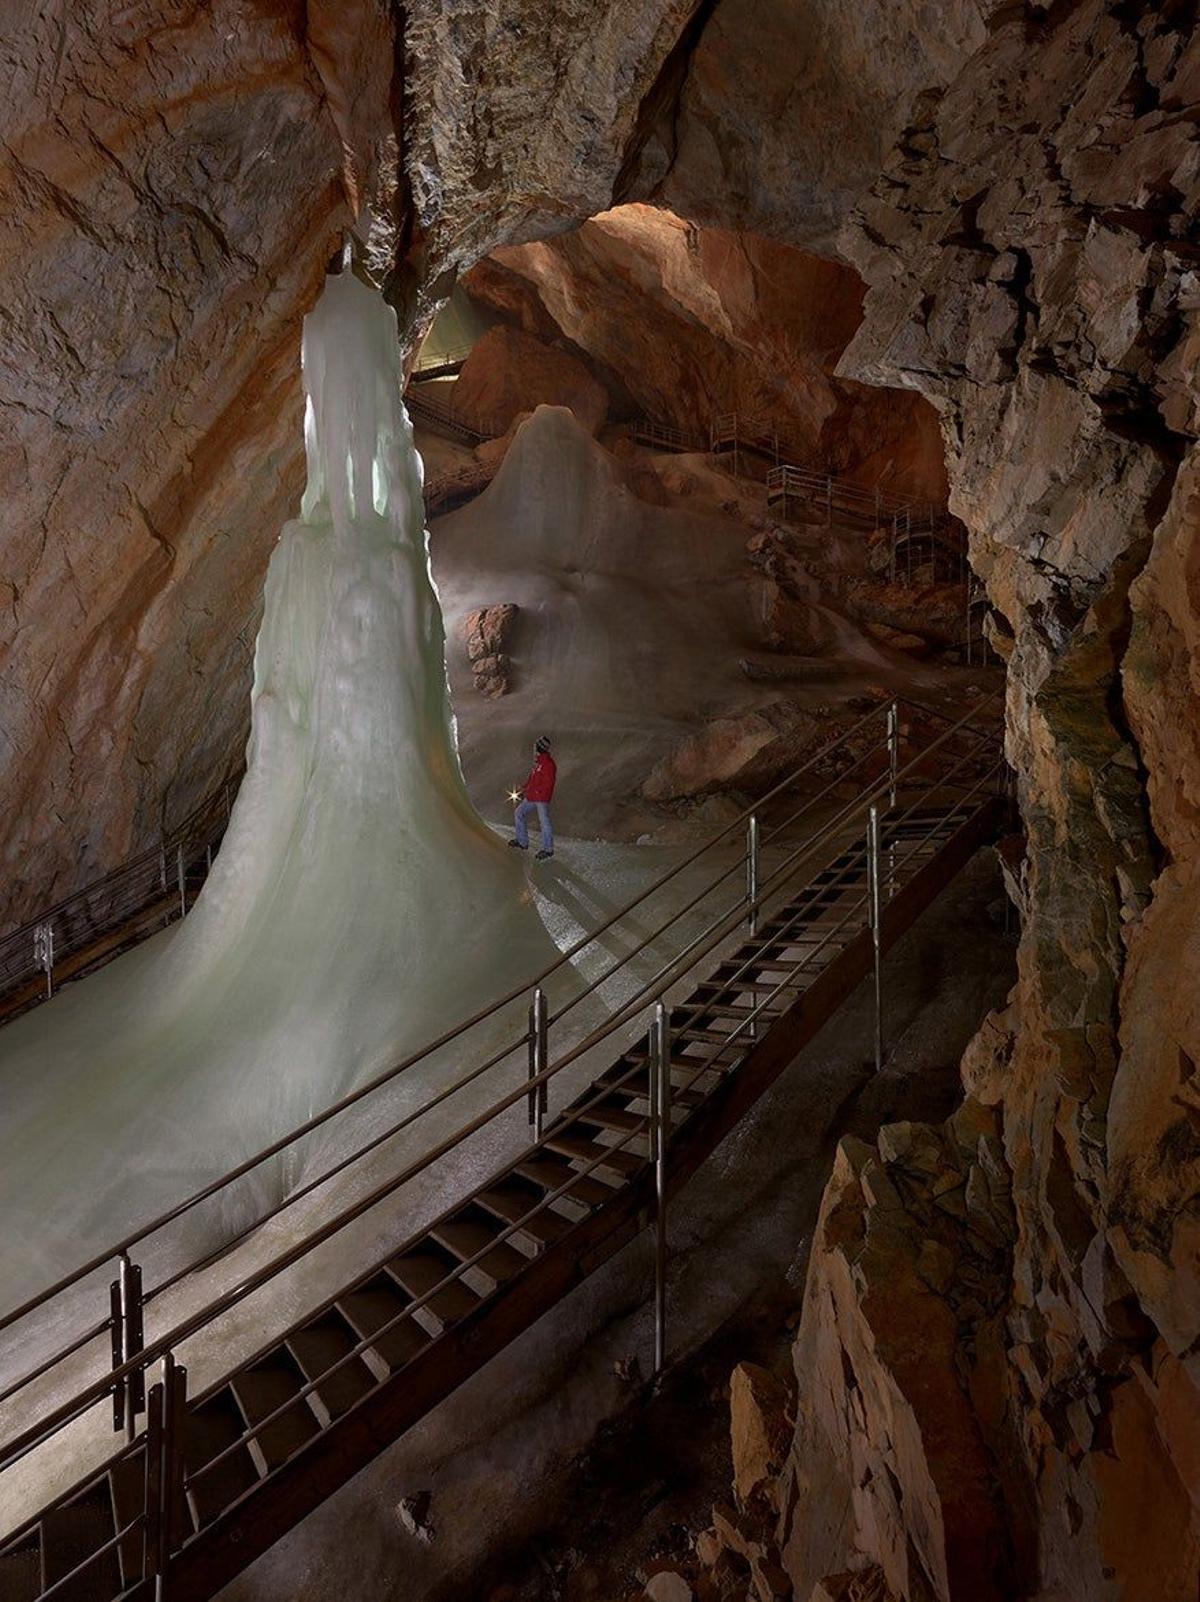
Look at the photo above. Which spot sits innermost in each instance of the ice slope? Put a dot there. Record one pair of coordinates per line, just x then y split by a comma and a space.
632, 618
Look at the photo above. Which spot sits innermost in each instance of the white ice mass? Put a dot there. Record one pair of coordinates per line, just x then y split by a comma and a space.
358, 906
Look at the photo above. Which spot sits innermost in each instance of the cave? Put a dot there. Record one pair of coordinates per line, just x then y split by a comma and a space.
776, 420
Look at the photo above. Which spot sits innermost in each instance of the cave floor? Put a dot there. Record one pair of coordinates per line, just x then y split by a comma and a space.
557, 1472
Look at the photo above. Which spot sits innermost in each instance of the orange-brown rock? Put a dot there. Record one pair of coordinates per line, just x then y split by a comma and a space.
899, 1450
690, 323
509, 372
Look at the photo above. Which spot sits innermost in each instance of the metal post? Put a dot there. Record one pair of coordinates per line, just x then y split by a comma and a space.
162, 867
660, 1114
876, 920
43, 954
892, 563
752, 873
538, 1042
893, 740
125, 1301
181, 876
165, 1493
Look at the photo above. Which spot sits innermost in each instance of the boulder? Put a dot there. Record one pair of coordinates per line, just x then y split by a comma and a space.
897, 640
486, 632
750, 748
668, 1585
760, 1420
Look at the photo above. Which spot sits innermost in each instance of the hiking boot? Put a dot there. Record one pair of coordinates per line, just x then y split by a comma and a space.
515, 845
542, 855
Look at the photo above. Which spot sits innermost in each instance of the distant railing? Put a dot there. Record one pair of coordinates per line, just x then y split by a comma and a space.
144, 894
430, 364
444, 417
662, 436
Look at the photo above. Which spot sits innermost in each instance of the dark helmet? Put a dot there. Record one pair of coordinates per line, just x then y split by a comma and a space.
543, 743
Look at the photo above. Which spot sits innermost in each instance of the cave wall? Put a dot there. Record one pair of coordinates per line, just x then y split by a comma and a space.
686, 323
1032, 259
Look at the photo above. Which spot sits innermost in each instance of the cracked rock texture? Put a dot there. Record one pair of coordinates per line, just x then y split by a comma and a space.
1033, 269
175, 181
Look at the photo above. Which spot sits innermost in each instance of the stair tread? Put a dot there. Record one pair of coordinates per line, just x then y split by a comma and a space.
21, 1570
469, 1236
316, 1348
367, 1308
513, 1206
572, 1142
552, 1174
262, 1388
606, 1115
420, 1270
211, 1427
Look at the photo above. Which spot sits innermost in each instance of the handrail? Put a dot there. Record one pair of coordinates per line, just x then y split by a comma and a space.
126, 1244
652, 990
655, 989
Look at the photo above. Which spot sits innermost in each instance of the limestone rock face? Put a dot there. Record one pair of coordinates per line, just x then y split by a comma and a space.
173, 188
899, 1449
691, 323
509, 373
1030, 257
787, 110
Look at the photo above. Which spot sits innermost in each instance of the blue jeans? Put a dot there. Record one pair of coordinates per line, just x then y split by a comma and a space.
542, 809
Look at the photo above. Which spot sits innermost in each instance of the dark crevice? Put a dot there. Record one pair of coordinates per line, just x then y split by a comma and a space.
659, 109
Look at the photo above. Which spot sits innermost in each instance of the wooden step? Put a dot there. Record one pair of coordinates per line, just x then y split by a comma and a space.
511, 1200
607, 1114
473, 1231
21, 1569
262, 1388
211, 1427
368, 1308
74, 1533
418, 1271
571, 1141
127, 1488
552, 1174
317, 1348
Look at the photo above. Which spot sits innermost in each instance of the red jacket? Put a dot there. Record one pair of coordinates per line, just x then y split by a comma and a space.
539, 786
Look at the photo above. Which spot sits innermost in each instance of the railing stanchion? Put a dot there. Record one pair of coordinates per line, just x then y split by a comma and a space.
181, 879
165, 1493
660, 1123
893, 739
538, 1042
43, 954
752, 873
128, 1339
876, 920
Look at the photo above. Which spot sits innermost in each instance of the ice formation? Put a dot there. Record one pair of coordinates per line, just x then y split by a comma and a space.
358, 905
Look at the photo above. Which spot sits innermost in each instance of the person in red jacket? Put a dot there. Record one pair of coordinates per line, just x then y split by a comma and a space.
537, 793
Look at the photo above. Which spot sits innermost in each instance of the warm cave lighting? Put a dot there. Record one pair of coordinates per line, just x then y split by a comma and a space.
514, 796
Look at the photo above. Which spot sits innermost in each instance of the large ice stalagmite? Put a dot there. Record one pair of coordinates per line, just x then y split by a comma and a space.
358, 905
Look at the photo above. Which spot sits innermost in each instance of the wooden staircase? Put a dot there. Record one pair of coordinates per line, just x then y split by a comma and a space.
214, 1480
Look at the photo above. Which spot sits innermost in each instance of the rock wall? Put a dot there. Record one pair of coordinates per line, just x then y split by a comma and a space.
686, 323
1031, 251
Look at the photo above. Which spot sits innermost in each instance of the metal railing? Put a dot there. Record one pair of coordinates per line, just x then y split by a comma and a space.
431, 410
155, 884
868, 753
645, 431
